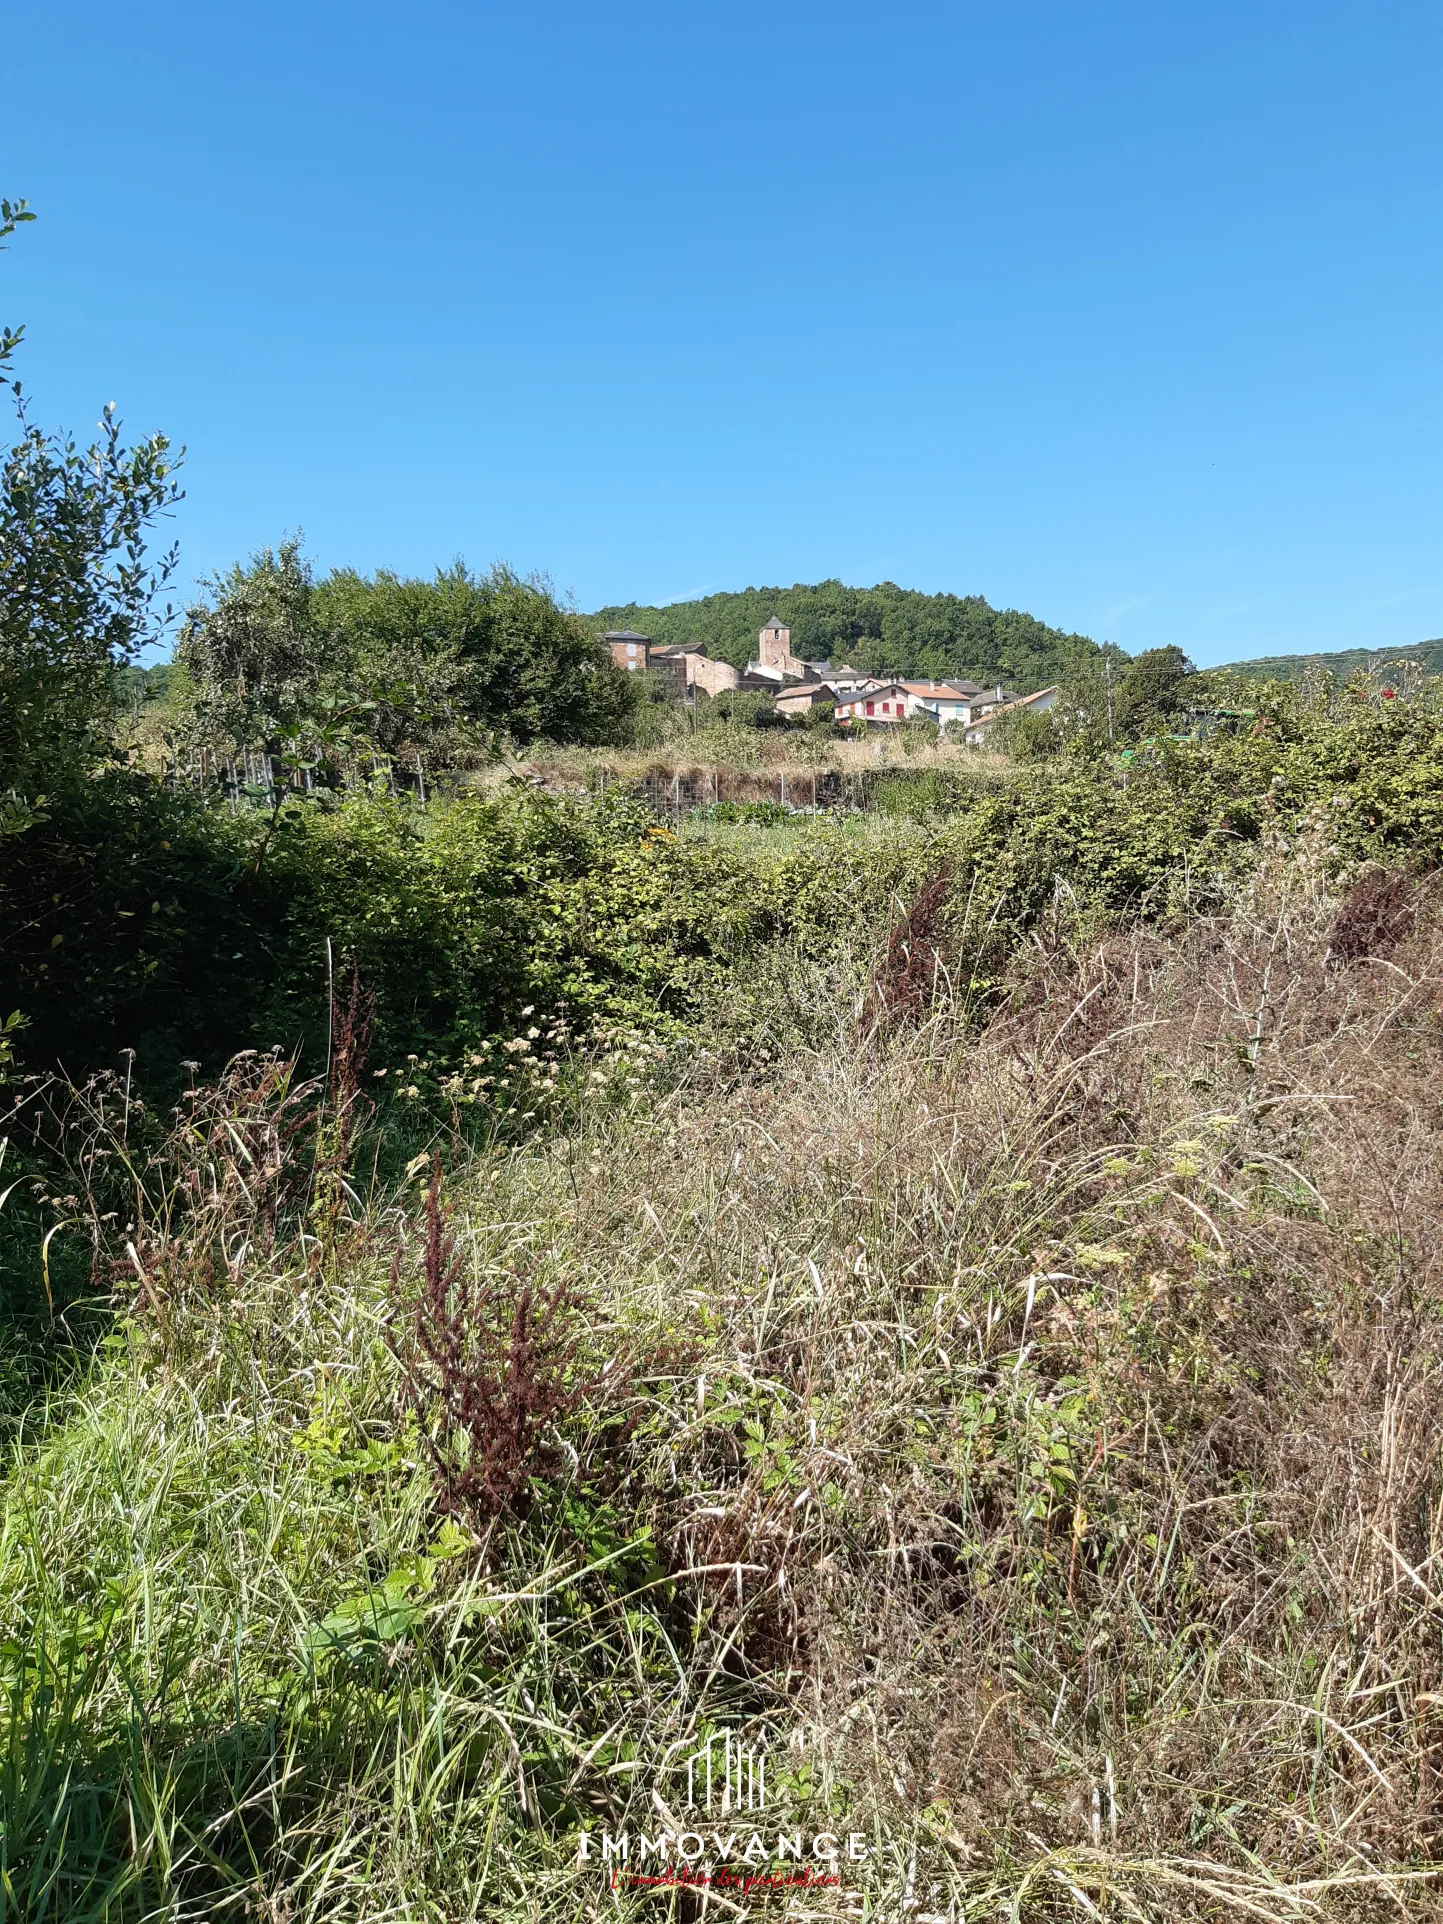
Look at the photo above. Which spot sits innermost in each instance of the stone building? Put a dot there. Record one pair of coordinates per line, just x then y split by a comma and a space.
696, 669
629, 650
774, 650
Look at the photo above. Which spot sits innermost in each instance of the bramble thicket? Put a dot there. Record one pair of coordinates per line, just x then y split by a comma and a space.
154, 918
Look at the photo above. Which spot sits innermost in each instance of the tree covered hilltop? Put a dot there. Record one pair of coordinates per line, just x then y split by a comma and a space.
886, 630
1342, 662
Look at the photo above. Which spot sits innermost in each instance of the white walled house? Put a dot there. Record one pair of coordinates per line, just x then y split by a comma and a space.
883, 701
894, 701
951, 702
976, 731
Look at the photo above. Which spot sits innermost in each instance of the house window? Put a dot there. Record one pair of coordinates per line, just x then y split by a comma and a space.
871, 708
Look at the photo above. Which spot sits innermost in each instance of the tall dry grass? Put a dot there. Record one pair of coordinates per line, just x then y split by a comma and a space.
1068, 1429
1027, 1434
766, 755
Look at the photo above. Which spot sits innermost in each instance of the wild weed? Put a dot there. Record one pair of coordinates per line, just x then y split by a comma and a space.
487, 1365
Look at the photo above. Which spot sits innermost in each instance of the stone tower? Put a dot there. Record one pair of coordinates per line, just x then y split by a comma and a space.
774, 645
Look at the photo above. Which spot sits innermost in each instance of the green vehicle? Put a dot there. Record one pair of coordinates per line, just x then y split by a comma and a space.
1203, 722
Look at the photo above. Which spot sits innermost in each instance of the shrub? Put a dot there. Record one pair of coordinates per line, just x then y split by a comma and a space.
1373, 917
906, 976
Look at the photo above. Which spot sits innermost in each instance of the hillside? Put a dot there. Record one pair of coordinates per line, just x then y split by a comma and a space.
886, 629
1342, 662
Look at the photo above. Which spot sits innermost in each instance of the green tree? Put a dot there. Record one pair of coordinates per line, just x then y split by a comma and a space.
251, 657
1029, 736
493, 652
1152, 690
78, 592
272, 652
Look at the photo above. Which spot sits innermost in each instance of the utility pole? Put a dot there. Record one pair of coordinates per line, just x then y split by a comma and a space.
1107, 676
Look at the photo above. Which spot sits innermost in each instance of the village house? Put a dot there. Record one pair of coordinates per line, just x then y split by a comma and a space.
958, 703
975, 732
629, 650
761, 677
692, 668
672, 664
806, 696
686, 663
848, 680
880, 701
951, 704
897, 701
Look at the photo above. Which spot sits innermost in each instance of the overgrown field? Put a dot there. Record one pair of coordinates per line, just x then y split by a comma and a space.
1027, 1437
137, 917
988, 1372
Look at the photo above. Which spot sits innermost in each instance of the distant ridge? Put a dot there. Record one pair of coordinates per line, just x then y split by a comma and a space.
885, 630
1342, 662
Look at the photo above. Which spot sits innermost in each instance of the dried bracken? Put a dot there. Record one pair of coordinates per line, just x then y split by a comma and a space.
1374, 916
487, 1365
905, 979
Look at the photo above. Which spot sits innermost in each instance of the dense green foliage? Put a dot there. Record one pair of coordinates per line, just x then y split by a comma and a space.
885, 630
1341, 664
272, 654
77, 592
1152, 690
143, 918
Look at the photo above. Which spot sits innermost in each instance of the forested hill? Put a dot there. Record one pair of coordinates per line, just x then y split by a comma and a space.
886, 630
1344, 661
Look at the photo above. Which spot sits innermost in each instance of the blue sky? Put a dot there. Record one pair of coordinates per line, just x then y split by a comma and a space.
1128, 315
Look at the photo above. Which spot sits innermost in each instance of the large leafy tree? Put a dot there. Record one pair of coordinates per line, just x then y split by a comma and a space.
493, 652
1154, 689
273, 652
78, 591
252, 659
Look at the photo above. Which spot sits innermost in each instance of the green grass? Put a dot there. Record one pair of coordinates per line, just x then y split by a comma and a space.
1025, 1437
